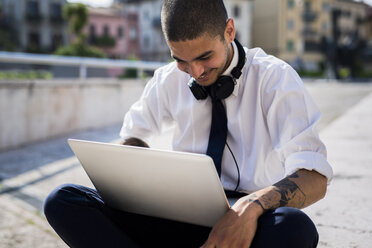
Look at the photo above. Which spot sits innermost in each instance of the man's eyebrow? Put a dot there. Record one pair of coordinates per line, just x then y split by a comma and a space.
205, 54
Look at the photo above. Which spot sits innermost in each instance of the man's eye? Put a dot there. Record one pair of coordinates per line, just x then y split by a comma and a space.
179, 62
205, 58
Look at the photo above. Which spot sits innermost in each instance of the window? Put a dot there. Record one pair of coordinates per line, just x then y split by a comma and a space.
236, 11
92, 33
32, 8
33, 42
307, 6
290, 24
120, 32
325, 26
325, 7
57, 41
55, 11
92, 30
133, 33
33, 38
290, 46
290, 4
146, 41
106, 30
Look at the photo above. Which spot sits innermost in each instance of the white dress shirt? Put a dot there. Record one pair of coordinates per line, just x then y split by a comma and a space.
271, 121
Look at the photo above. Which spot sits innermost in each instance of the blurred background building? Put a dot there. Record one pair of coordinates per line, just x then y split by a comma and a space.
115, 33
325, 38
313, 35
152, 43
32, 25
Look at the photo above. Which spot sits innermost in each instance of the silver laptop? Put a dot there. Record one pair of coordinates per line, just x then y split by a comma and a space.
172, 185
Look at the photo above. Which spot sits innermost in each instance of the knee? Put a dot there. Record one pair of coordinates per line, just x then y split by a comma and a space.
296, 221
288, 227
57, 200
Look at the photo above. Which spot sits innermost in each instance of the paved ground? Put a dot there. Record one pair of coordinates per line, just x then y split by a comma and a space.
343, 218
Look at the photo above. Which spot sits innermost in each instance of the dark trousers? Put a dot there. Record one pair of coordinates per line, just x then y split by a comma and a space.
81, 218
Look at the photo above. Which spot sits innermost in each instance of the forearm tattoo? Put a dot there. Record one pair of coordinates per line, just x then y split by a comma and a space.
254, 198
284, 193
290, 193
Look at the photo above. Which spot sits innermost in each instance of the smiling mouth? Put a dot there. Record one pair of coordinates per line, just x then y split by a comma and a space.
204, 76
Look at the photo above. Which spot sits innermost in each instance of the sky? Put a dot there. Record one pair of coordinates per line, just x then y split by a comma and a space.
95, 3
107, 3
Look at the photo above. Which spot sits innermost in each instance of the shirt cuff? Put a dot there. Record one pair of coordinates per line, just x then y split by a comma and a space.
310, 161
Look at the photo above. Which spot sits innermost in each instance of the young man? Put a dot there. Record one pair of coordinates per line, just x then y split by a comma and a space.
274, 158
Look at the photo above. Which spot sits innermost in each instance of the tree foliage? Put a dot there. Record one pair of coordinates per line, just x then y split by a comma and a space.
77, 16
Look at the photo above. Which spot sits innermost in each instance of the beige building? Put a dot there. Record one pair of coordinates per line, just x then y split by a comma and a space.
293, 29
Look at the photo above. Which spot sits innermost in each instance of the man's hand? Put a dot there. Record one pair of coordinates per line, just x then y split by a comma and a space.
238, 227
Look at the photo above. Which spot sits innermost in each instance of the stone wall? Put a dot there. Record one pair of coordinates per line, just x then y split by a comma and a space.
38, 110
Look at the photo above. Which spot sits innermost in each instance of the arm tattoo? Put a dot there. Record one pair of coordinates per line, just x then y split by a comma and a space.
254, 198
284, 193
290, 193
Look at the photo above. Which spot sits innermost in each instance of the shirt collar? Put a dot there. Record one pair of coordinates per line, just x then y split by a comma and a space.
233, 63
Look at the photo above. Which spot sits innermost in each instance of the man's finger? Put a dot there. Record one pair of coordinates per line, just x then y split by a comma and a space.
207, 244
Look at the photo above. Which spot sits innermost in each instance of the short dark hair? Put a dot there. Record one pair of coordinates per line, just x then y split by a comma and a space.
183, 20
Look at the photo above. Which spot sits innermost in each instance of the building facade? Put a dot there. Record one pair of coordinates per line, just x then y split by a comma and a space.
152, 43
114, 33
295, 30
241, 12
39, 24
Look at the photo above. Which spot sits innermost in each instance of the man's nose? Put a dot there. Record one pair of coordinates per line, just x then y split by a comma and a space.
195, 69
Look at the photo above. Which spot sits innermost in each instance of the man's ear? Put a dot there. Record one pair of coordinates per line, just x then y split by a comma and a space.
229, 30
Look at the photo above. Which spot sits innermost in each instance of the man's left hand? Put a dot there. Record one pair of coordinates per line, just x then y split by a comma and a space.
238, 226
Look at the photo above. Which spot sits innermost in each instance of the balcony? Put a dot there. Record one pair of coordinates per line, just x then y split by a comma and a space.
34, 17
104, 41
5, 22
311, 46
309, 16
309, 34
56, 19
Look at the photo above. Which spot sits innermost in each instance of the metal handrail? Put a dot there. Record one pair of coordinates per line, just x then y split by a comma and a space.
82, 62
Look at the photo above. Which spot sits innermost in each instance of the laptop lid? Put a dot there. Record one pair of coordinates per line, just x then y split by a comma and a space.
172, 185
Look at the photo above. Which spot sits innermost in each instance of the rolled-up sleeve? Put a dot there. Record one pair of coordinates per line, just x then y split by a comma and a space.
291, 117
310, 161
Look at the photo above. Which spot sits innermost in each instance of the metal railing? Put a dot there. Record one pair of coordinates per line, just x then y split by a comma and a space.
82, 62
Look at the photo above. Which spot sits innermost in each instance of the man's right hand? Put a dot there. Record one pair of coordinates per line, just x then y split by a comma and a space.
134, 142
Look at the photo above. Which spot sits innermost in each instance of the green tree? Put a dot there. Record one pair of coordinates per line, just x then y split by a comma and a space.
77, 16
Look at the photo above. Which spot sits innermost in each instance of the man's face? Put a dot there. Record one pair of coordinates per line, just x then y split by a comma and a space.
204, 58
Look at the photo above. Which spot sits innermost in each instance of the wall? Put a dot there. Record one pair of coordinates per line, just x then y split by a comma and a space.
265, 25
32, 111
